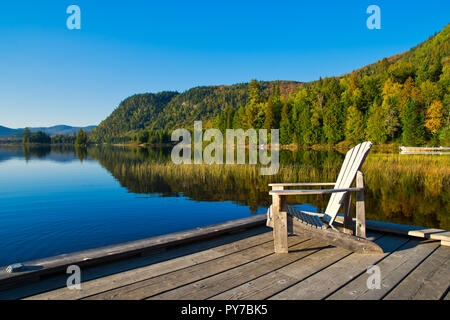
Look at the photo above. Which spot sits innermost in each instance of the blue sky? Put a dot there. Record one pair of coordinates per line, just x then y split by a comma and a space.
52, 75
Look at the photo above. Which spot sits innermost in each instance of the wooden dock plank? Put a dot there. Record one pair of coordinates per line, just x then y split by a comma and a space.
95, 272
120, 279
87, 258
244, 266
393, 268
429, 281
216, 284
413, 231
154, 285
278, 280
328, 280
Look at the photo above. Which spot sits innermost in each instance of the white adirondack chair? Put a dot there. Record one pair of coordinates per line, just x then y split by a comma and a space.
284, 218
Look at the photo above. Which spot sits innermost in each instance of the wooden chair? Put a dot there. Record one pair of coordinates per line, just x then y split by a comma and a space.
285, 219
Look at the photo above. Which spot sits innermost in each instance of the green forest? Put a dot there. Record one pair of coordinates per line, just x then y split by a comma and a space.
40, 137
404, 99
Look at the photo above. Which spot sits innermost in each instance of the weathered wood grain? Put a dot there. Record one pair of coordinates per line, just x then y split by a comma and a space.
278, 280
360, 227
139, 274
216, 284
155, 285
348, 215
429, 281
297, 184
333, 237
407, 230
104, 270
347, 174
336, 275
311, 191
59, 264
393, 269
280, 232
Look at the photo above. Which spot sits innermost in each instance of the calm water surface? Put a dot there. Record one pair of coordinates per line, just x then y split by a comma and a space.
60, 199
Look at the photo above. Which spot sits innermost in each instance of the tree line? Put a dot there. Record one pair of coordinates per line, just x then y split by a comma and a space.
381, 108
40, 137
403, 99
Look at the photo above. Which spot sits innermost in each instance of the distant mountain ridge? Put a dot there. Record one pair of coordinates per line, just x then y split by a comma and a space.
6, 132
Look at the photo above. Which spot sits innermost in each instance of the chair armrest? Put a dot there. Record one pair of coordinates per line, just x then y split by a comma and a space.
301, 184
317, 191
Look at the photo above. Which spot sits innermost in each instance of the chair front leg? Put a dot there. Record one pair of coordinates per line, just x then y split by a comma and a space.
280, 231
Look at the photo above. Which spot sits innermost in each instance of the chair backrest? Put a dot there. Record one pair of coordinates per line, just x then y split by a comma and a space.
352, 163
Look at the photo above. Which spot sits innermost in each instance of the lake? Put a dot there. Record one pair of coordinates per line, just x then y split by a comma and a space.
61, 199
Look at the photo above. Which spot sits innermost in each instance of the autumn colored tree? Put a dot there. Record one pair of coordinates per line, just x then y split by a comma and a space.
390, 107
409, 91
434, 117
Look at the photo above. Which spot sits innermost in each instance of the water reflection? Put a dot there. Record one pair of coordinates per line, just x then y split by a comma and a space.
403, 189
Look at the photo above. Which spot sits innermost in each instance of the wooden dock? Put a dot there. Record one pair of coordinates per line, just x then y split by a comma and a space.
242, 265
425, 150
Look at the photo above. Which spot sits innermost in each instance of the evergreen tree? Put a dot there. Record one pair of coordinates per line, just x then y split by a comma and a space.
40, 137
273, 109
26, 136
413, 124
302, 114
269, 116
82, 138
239, 115
143, 136
333, 113
285, 126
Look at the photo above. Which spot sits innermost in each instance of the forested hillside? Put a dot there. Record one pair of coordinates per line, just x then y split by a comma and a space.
404, 99
162, 112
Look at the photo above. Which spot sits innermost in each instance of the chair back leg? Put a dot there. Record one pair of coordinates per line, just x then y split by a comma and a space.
280, 234
360, 207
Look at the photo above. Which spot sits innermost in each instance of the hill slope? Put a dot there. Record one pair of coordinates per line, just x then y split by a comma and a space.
168, 110
404, 98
